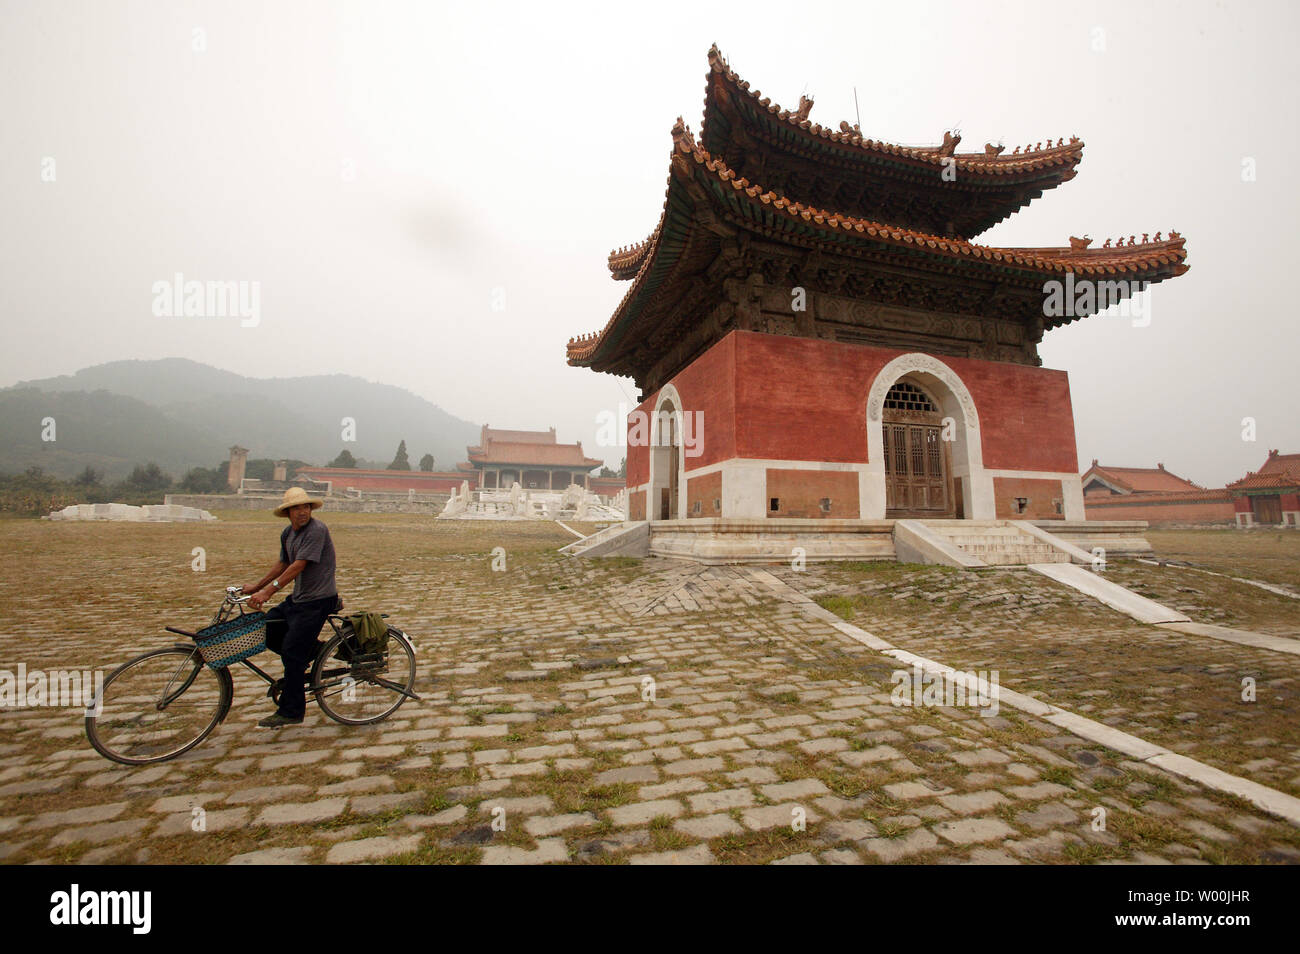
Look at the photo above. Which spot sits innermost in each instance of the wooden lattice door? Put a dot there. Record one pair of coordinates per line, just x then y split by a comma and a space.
917, 459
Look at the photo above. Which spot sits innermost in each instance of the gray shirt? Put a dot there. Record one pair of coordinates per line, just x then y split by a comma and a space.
313, 544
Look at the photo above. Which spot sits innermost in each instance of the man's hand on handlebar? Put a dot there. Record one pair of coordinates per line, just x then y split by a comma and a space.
261, 596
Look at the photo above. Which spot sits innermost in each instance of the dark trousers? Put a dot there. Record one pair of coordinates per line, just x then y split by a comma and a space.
295, 627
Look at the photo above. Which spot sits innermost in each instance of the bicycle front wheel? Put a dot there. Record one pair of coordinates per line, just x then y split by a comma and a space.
157, 706
360, 690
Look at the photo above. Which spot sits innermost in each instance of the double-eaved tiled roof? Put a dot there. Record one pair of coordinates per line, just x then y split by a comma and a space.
777, 217
844, 185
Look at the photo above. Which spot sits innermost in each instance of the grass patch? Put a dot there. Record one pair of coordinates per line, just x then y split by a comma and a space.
1059, 775
606, 796
760, 847
841, 606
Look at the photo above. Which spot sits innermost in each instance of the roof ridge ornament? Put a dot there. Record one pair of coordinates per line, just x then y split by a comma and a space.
682, 134
950, 143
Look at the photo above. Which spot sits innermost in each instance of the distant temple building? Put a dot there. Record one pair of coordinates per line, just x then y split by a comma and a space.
815, 334
1270, 495
1152, 494
1267, 497
1103, 482
532, 458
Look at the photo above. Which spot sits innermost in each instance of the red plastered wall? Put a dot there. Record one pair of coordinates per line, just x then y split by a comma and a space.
707, 385
1155, 514
805, 399
1025, 413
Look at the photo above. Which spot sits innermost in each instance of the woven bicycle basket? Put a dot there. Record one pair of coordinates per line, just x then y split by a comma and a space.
227, 643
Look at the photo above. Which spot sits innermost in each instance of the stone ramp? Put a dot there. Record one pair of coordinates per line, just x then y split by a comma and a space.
1278, 644
622, 539
916, 542
1112, 594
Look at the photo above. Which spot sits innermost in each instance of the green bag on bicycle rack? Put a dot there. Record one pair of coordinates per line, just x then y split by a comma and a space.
225, 644
366, 633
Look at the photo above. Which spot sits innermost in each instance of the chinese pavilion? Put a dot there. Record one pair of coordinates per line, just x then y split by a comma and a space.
812, 302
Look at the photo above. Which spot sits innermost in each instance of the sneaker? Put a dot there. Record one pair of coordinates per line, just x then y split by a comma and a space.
278, 720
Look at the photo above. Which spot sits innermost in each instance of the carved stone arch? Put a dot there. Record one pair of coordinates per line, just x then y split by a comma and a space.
955, 401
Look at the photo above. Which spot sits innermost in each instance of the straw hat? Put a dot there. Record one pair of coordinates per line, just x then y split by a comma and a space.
292, 498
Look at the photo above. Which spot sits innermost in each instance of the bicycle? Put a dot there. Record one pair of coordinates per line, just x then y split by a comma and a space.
165, 702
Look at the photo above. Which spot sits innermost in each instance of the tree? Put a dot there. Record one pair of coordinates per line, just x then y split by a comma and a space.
426, 463
622, 468
606, 472
89, 477
203, 480
345, 459
148, 477
401, 461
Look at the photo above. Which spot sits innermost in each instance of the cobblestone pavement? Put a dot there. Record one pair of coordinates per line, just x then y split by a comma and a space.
1183, 692
567, 718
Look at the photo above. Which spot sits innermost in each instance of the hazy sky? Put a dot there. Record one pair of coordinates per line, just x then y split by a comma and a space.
389, 171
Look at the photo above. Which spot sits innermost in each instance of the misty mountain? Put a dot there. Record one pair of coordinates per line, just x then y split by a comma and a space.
184, 414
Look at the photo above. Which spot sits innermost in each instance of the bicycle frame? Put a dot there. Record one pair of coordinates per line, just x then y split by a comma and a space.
330, 678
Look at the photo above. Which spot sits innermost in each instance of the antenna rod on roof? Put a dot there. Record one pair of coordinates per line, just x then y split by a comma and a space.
857, 115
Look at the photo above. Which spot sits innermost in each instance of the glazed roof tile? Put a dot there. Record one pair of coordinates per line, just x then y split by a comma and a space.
1064, 155
518, 437
1281, 463
1279, 481
1141, 479
528, 453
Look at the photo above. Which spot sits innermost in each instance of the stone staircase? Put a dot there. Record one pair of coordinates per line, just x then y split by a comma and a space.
976, 543
999, 543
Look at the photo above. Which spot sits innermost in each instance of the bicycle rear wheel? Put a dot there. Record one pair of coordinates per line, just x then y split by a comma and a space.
365, 689
157, 706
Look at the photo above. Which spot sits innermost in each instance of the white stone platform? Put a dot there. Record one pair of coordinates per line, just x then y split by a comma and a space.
150, 513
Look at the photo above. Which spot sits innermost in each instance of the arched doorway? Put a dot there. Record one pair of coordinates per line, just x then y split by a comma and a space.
961, 463
917, 458
667, 459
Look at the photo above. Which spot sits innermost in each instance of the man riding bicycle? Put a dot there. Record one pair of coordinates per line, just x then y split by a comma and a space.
307, 559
